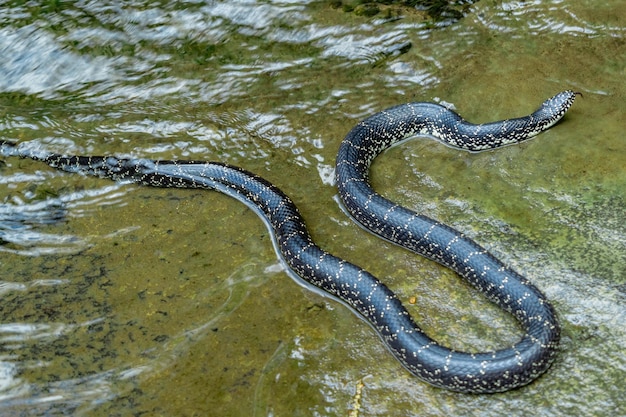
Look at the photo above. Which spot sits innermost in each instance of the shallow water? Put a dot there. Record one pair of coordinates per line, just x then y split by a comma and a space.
122, 300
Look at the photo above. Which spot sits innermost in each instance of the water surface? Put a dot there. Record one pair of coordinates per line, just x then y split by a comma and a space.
122, 300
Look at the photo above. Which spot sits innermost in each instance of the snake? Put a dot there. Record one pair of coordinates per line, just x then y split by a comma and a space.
467, 372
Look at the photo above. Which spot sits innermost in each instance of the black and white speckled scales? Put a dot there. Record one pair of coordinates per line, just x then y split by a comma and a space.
473, 373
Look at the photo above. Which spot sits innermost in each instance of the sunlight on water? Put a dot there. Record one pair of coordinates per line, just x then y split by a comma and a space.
38, 65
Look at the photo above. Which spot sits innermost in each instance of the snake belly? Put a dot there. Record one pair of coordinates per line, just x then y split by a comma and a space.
486, 372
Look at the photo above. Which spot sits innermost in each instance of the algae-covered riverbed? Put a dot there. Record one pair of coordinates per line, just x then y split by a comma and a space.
127, 300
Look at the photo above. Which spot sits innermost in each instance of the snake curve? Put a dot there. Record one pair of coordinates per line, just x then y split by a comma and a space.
485, 372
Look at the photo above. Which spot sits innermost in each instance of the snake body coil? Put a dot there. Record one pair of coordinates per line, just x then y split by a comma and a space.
487, 372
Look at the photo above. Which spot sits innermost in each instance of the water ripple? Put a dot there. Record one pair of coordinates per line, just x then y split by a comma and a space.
532, 15
34, 63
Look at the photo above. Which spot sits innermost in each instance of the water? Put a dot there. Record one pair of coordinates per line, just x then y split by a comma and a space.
121, 300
